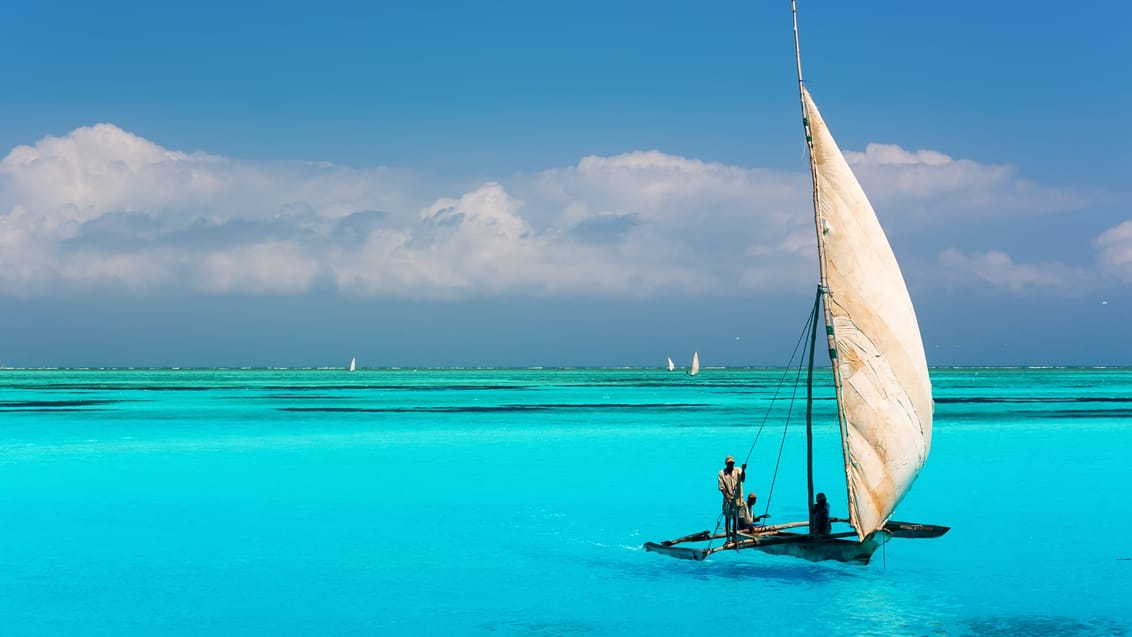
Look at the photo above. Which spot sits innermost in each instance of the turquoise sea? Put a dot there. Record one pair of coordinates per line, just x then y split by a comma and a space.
465, 502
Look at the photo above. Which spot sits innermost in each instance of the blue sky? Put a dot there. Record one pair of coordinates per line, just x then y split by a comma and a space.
517, 183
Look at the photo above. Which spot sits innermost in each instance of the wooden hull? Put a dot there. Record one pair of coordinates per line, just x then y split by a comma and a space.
813, 548
780, 540
818, 549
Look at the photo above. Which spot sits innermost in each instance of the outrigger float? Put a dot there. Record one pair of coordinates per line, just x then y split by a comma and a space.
880, 372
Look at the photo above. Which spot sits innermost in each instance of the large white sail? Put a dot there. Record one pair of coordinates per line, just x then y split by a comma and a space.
671, 365
884, 392
695, 364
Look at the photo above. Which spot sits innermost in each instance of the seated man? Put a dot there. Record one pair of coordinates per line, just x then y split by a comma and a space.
748, 521
819, 516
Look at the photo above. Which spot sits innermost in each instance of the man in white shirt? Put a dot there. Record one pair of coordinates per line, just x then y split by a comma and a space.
731, 486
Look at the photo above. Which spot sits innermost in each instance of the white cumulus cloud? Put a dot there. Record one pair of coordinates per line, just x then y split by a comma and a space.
1115, 246
1000, 270
932, 186
103, 207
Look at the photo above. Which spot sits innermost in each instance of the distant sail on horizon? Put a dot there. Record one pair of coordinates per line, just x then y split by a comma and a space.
671, 365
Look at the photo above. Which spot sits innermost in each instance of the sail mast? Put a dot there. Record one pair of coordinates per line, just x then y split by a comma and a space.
823, 289
810, 404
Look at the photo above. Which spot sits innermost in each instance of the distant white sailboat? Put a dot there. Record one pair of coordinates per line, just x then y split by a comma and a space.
671, 365
695, 364
353, 364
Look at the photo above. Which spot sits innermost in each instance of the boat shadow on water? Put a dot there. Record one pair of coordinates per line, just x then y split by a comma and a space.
788, 571
771, 569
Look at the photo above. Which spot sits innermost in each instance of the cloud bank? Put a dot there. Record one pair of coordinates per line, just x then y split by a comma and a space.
1115, 246
103, 208
934, 187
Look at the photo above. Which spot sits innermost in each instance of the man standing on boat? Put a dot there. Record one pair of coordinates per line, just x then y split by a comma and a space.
731, 486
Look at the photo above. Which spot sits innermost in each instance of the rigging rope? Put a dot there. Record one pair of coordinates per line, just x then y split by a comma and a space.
799, 353
789, 365
800, 350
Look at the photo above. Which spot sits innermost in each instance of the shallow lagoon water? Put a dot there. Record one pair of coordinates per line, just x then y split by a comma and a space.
140, 502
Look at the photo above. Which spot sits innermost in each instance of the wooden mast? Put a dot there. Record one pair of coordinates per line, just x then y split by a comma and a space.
823, 285
810, 406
